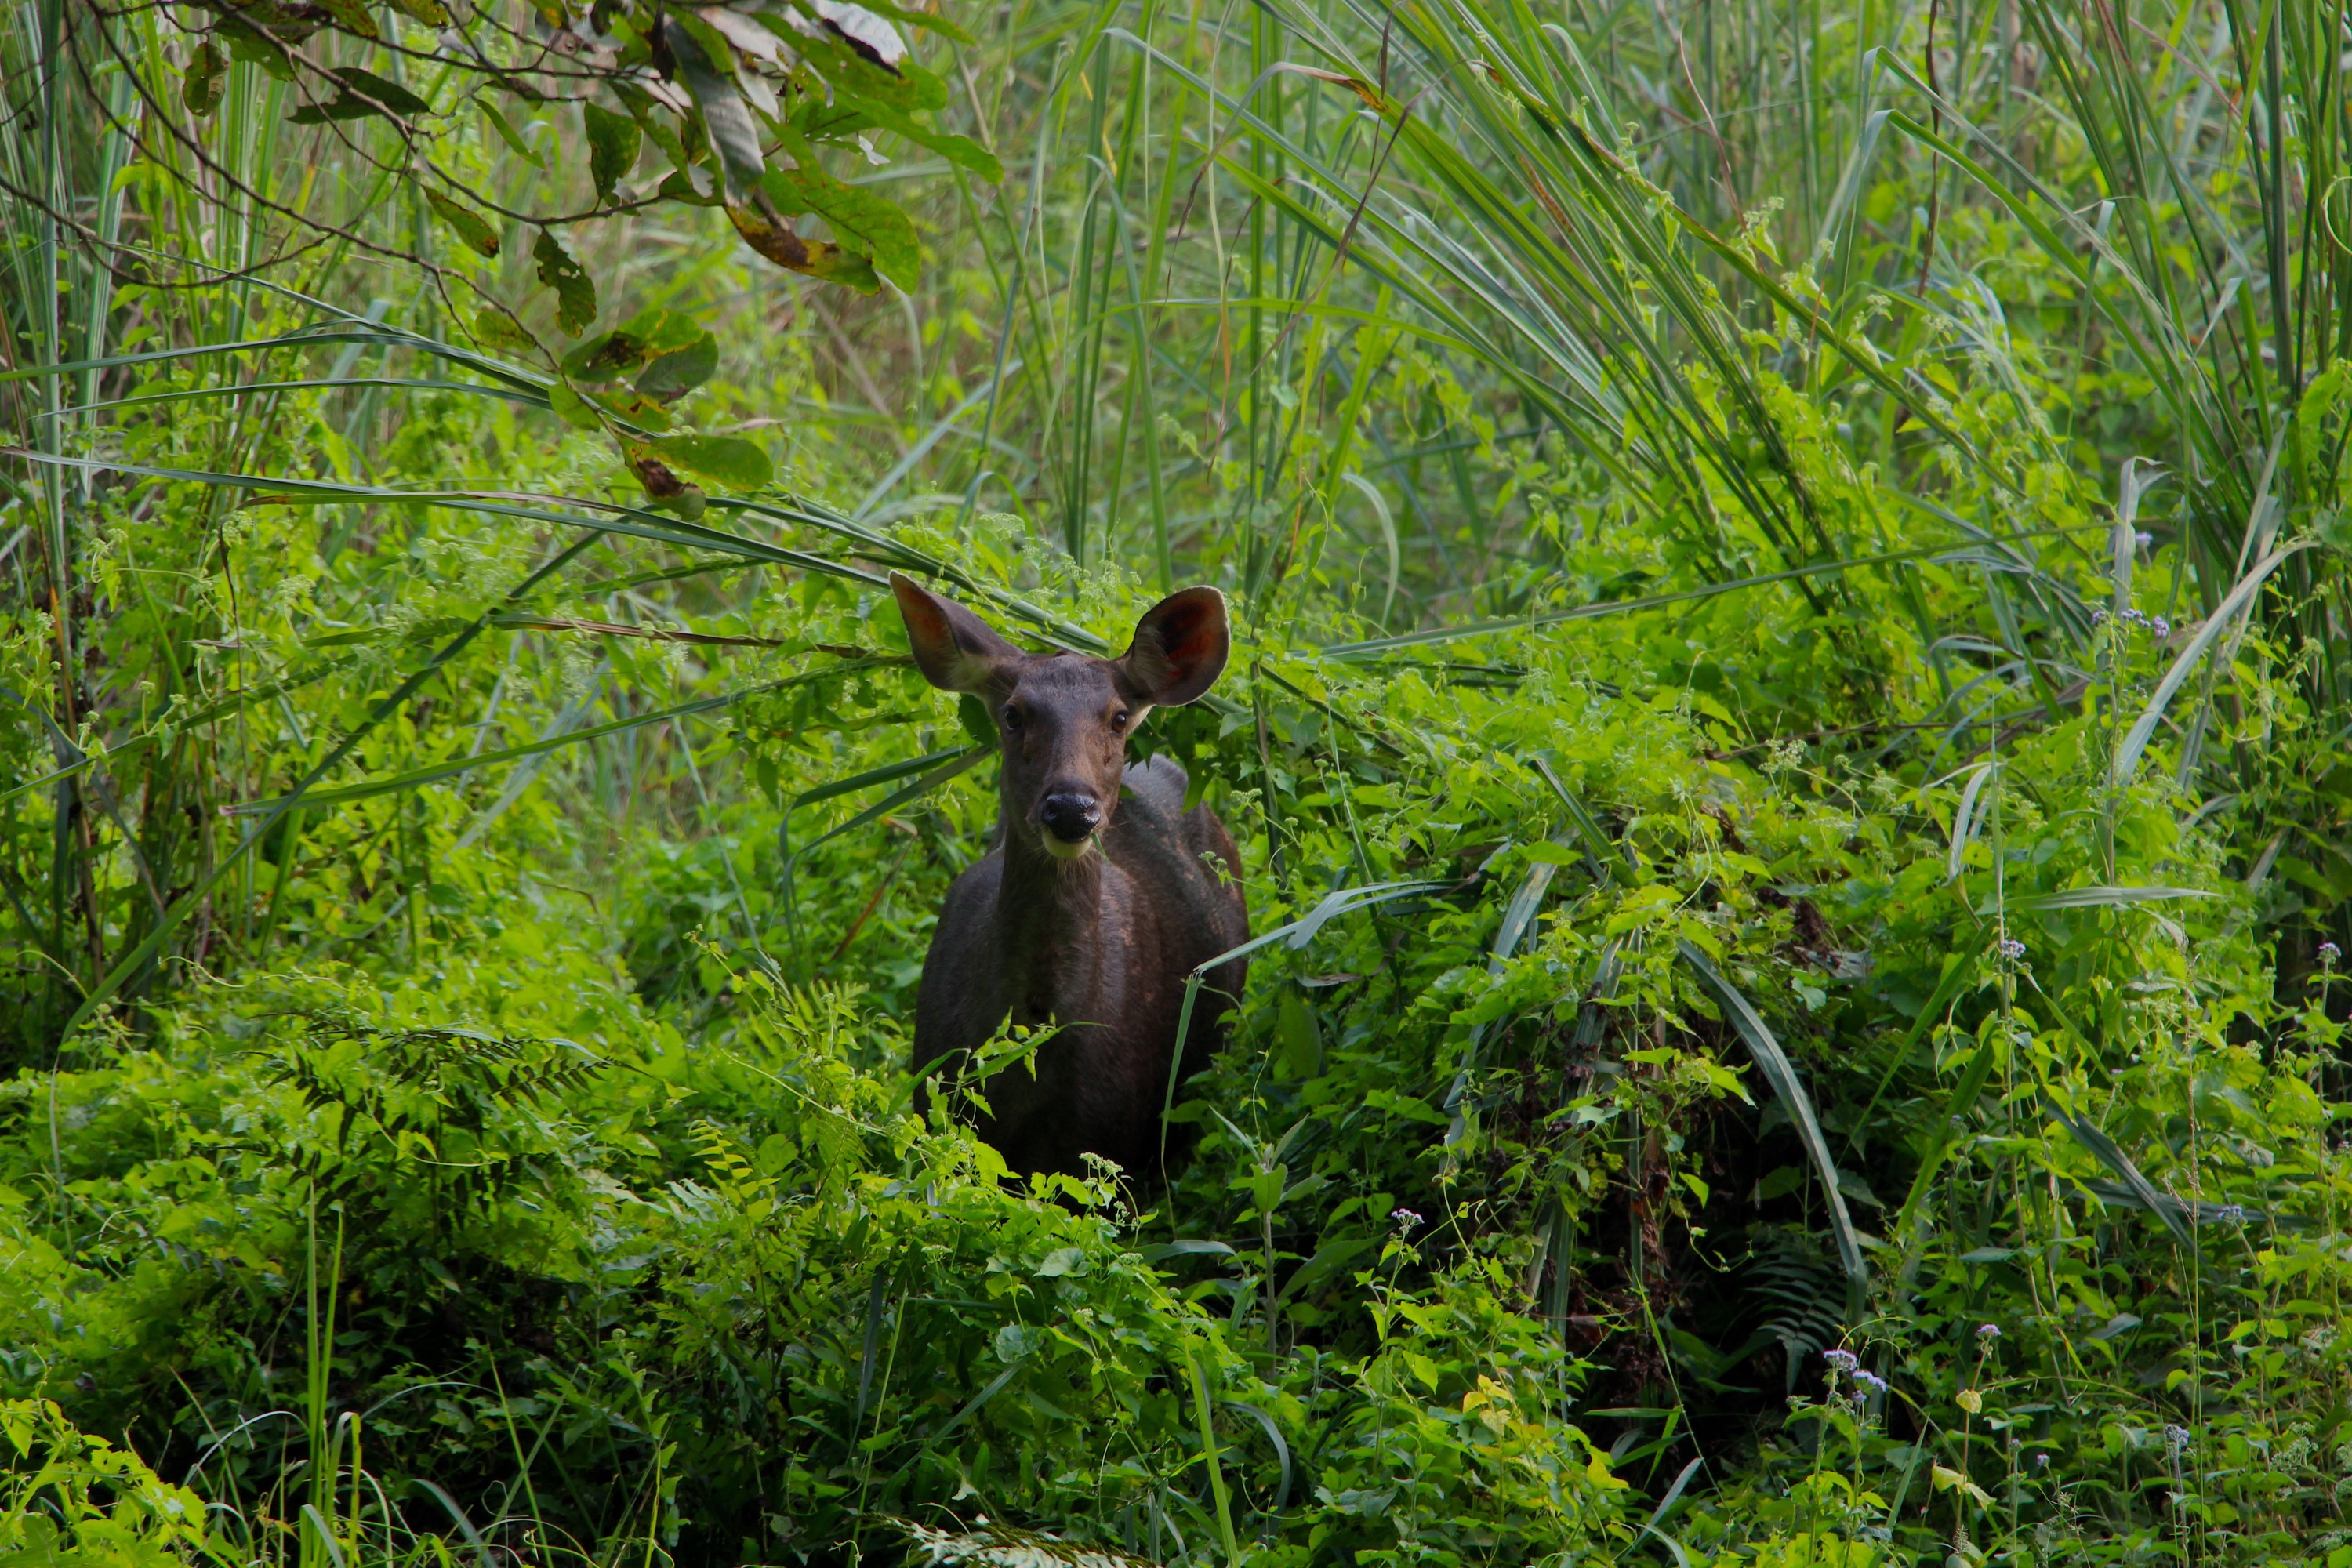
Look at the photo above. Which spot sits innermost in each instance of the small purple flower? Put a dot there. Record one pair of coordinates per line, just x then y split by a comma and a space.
2098, 617
1842, 1361
2176, 1438
2135, 616
2160, 627
1405, 1220
2232, 1214
2011, 949
2144, 539
1871, 1381
2328, 953
2041, 1461
1988, 1333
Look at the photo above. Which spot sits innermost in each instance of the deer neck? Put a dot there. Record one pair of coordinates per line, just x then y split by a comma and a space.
1049, 917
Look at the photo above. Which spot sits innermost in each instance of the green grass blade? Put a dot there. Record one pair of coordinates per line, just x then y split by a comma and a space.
2112, 1157
2127, 755
1781, 1074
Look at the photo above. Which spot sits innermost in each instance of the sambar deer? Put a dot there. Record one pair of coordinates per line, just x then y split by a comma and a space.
1099, 895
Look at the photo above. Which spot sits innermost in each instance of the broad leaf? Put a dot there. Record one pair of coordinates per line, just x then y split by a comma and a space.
363, 93
469, 224
614, 141
575, 291
727, 460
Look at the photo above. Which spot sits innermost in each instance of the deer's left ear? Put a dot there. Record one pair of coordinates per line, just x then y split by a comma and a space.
1180, 649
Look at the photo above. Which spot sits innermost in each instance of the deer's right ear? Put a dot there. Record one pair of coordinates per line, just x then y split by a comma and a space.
953, 648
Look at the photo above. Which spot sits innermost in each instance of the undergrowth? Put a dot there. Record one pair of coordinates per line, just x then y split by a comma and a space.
1786, 738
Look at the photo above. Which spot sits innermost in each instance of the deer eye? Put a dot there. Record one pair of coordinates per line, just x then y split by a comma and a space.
1012, 717
1119, 720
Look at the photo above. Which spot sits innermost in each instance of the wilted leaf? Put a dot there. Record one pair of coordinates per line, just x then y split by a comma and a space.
608, 356
873, 38
575, 291
352, 16
666, 489
818, 259
647, 337
200, 89
614, 141
469, 224
930, 22
858, 216
730, 460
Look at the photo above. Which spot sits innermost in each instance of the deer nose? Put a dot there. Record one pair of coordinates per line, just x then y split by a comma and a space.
1070, 816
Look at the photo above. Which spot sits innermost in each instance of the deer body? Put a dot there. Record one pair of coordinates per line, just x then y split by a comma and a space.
1099, 896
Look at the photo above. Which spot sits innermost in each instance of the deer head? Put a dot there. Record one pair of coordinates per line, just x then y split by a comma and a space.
1063, 719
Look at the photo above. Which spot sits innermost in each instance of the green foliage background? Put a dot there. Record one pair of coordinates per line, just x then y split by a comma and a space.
1786, 734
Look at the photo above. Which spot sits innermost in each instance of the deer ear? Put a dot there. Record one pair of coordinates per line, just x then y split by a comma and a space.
953, 648
1178, 650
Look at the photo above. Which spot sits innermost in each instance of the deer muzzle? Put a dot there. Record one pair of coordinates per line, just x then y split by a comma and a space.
1068, 820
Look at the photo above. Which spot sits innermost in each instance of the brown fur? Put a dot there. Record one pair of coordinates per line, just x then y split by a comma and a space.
1098, 941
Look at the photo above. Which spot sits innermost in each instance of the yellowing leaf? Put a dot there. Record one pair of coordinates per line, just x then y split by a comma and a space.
469, 224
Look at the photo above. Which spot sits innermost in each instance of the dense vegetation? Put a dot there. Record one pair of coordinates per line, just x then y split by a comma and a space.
1788, 733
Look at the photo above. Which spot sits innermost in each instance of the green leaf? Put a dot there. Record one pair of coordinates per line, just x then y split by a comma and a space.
725, 117
652, 120
1781, 1074
614, 141
469, 224
645, 336
2127, 755
634, 408
670, 376
419, 777
362, 93
608, 356
572, 408
972, 714
248, 43
861, 218
575, 291
207, 74
729, 460
432, 12
510, 135
2092, 898
961, 150
1329, 1259
500, 330
2112, 1156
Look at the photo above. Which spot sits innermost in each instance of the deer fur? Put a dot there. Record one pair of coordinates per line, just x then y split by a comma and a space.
1098, 895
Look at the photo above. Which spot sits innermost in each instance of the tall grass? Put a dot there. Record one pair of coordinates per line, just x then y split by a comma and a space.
1791, 385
